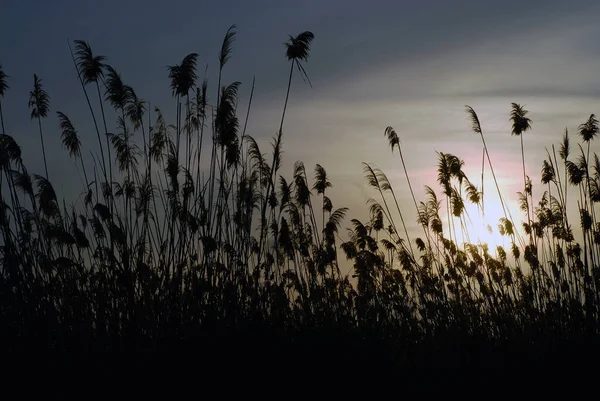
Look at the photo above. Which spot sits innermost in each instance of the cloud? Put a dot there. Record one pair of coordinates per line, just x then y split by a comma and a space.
548, 67
412, 65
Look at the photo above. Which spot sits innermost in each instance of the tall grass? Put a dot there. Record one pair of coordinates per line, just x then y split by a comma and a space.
181, 238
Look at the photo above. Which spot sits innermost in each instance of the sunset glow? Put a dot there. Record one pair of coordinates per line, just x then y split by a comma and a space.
483, 228
339, 188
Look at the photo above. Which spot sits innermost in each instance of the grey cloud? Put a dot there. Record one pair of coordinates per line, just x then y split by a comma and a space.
412, 65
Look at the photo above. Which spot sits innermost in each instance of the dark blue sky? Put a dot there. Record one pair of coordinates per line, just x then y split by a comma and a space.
353, 38
410, 64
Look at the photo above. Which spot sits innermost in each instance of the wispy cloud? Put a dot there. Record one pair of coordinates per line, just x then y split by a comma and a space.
373, 65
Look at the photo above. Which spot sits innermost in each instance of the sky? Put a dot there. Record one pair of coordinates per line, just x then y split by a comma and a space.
412, 65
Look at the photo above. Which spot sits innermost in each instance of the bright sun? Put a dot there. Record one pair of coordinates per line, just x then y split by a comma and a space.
482, 228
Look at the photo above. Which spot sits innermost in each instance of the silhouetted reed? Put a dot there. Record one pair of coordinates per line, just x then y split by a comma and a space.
183, 244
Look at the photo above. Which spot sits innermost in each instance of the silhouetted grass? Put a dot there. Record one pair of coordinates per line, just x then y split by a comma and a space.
193, 240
